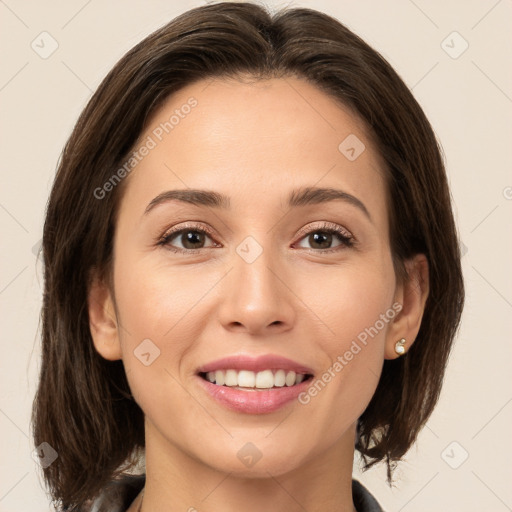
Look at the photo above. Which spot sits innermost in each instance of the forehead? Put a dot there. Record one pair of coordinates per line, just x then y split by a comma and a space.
254, 141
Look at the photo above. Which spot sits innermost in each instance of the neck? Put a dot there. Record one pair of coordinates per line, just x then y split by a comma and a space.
177, 481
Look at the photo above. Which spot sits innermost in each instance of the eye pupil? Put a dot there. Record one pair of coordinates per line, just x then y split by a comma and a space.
327, 239
190, 237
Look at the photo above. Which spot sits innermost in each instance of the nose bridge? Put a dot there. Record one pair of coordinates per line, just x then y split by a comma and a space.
256, 296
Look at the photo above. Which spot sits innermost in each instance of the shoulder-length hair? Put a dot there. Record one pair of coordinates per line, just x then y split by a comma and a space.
83, 407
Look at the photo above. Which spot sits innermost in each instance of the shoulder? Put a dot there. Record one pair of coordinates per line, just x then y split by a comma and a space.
118, 495
363, 499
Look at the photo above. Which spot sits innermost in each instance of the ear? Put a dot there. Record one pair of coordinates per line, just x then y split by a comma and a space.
412, 294
103, 320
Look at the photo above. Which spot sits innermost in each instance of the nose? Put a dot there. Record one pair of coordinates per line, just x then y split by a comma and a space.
257, 296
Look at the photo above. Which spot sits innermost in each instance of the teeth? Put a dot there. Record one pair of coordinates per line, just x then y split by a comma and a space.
280, 378
231, 378
246, 379
290, 379
219, 377
265, 379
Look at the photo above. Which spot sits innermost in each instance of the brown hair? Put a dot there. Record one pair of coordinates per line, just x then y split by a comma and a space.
83, 407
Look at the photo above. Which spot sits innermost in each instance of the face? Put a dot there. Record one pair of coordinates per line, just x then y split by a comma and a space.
275, 277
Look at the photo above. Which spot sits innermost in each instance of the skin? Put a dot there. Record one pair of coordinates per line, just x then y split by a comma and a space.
254, 142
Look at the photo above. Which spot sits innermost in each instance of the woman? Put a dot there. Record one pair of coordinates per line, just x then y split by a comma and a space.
251, 269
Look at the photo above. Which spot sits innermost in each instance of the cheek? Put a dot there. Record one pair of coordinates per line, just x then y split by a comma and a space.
158, 302
158, 317
355, 308
349, 302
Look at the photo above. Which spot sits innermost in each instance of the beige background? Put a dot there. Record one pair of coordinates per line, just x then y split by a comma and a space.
469, 102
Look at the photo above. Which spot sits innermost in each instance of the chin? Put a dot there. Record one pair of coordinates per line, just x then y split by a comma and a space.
260, 458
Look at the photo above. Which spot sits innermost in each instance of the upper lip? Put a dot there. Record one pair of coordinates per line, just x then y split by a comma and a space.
255, 364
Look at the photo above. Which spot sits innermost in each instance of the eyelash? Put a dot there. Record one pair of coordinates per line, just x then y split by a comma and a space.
343, 236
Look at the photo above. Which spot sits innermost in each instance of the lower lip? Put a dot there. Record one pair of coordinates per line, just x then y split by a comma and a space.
254, 402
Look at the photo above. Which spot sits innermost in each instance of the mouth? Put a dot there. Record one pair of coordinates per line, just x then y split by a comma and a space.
254, 384
248, 380
250, 392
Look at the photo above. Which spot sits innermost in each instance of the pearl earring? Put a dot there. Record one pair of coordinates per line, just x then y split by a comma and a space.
399, 347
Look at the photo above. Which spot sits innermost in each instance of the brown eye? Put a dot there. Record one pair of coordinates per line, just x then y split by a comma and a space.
191, 239
322, 238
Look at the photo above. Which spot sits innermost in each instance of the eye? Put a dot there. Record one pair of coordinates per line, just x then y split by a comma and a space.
191, 237
322, 237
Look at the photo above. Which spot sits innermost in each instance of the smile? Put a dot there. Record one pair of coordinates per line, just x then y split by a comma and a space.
247, 380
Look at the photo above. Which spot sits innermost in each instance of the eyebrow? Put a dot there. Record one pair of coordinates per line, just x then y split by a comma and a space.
297, 198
